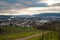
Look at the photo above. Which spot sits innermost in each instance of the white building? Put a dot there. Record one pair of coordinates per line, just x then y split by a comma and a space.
44, 21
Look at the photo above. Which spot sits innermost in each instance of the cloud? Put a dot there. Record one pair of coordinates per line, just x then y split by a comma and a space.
33, 10
56, 4
37, 10
50, 2
17, 6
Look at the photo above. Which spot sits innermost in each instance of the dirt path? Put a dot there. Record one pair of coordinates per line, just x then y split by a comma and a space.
33, 36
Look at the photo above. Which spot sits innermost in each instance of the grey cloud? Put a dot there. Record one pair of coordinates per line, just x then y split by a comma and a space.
17, 4
6, 5
57, 4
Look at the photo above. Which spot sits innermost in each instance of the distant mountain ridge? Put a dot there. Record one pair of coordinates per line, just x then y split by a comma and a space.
46, 14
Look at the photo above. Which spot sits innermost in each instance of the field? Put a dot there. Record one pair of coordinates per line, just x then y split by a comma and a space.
54, 34
48, 36
12, 32
17, 32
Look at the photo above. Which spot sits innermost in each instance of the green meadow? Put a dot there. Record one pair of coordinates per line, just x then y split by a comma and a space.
47, 36
12, 32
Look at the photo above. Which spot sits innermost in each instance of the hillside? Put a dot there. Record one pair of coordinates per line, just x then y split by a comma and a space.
47, 14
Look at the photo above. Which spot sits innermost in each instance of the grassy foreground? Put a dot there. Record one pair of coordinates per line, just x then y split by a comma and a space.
12, 32
48, 36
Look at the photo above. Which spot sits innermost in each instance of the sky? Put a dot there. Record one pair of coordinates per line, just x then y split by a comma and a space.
28, 7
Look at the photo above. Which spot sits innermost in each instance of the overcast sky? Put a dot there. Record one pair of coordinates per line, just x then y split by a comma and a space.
22, 7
